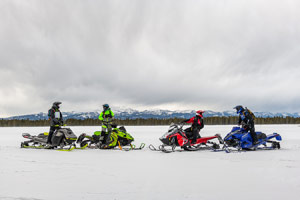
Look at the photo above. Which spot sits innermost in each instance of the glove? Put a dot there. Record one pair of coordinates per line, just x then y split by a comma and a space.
107, 120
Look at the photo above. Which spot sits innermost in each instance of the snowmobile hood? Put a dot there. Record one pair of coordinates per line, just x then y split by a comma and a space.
278, 137
235, 131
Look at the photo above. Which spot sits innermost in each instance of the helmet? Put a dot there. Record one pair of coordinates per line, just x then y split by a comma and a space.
200, 113
239, 109
105, 106
56, 104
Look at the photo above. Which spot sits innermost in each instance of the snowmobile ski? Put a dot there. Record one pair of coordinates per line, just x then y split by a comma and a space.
70, 149
23, 145
83, 147
153, 148
132, 147
162, 148
45, 147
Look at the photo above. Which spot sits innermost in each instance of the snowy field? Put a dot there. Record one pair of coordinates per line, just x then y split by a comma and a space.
114, 174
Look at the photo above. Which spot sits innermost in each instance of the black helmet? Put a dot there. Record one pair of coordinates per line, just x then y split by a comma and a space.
105, 106
239, 108
56, 104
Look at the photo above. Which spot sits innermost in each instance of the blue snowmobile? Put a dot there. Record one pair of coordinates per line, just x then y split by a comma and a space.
240, 139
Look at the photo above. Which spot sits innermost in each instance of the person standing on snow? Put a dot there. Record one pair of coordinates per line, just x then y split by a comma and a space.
197, 124
246, 119
56, 120
106, 117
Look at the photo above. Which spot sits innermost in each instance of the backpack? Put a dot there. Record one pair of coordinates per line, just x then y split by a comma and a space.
49, 113
250, 113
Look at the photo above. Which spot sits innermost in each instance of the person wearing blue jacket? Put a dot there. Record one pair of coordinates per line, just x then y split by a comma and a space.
246, 119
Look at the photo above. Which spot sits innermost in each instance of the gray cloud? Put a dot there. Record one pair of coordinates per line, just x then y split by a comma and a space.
147, 54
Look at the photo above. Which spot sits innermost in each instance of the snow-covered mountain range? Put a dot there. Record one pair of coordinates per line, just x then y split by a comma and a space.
159, 114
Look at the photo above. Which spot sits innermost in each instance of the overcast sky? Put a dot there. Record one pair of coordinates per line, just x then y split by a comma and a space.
148, 54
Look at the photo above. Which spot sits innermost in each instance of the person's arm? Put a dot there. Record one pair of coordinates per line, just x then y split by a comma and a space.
61, 119
240, 120
189, 121
101, 116
52, 117
248, 118
202, 123
112, 115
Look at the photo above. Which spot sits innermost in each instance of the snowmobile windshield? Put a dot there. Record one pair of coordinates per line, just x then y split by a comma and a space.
172, 127
164, 135
229, 136
234, 131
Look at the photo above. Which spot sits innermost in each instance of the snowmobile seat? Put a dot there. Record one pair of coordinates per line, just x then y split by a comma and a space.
189, 133
261, 136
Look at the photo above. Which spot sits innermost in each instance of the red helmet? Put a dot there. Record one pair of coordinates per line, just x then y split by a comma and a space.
200, 113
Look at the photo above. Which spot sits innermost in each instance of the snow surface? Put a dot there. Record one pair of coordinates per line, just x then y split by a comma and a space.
114, 174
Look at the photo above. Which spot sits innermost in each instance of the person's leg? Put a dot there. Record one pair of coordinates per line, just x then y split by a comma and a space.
252, 133
109, 129
189, 132
195, 134
51, 131
104, 133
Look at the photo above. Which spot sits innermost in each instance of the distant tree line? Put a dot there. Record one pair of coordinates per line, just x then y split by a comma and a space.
149, 122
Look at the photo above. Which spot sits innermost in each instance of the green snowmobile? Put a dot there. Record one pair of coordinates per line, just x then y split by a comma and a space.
119, 138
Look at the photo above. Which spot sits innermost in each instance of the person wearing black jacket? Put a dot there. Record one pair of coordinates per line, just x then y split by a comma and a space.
197, 124
56, 120
246, 119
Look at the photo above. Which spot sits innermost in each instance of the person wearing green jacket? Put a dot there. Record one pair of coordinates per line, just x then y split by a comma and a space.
106, 117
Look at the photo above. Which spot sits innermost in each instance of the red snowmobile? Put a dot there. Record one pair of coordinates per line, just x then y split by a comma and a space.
177, 137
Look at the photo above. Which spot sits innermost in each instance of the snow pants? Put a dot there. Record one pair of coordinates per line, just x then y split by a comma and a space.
51, 131
252, 131
195, 133
106, 127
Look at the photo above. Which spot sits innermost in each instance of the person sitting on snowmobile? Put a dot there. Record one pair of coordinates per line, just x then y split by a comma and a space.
56, 120
197, 124
246, 119
106, 117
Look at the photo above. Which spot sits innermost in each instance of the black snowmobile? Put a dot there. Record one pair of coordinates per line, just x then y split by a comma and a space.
119, 138
62, 139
